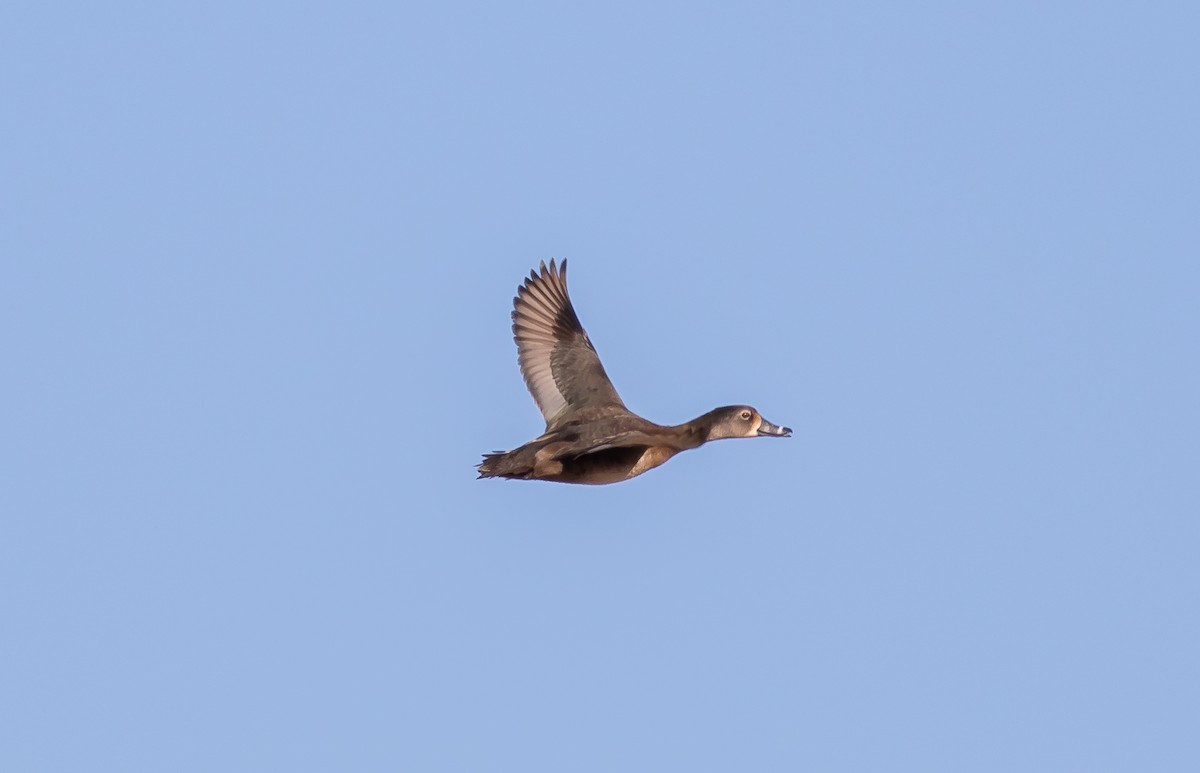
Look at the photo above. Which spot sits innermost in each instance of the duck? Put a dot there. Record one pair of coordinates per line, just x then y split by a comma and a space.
591, 437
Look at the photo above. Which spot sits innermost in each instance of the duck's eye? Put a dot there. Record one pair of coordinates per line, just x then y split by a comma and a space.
745, 415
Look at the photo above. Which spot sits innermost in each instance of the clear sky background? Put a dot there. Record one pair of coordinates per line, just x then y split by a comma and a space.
257, 266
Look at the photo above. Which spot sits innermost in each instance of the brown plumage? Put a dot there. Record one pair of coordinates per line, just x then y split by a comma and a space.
591, 437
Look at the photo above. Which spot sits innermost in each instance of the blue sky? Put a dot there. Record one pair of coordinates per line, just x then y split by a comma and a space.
258, 265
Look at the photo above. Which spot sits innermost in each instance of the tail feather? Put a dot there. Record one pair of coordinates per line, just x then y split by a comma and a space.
503, 464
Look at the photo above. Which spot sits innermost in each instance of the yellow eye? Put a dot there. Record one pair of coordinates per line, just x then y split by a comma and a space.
745, 415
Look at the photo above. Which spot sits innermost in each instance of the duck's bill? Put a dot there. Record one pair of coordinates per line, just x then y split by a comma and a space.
773, 430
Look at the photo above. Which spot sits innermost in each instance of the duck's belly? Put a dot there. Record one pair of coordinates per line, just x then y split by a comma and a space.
613, 465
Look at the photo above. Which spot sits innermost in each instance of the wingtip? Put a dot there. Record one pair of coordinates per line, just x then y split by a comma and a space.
557, 269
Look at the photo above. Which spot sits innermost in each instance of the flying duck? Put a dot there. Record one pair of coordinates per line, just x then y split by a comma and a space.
591, 437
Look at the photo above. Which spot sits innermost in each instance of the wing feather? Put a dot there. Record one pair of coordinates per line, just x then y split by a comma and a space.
559, 363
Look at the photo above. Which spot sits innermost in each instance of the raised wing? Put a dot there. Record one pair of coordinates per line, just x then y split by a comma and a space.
559, 363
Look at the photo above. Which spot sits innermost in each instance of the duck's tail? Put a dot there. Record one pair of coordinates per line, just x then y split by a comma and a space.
505, 464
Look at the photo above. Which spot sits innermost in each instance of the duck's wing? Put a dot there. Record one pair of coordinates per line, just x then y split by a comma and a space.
619, 440
559, 363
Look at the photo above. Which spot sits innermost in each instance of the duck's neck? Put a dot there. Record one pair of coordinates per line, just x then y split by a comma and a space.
695, 432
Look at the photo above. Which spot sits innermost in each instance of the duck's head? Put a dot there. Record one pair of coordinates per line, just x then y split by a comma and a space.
741, 421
